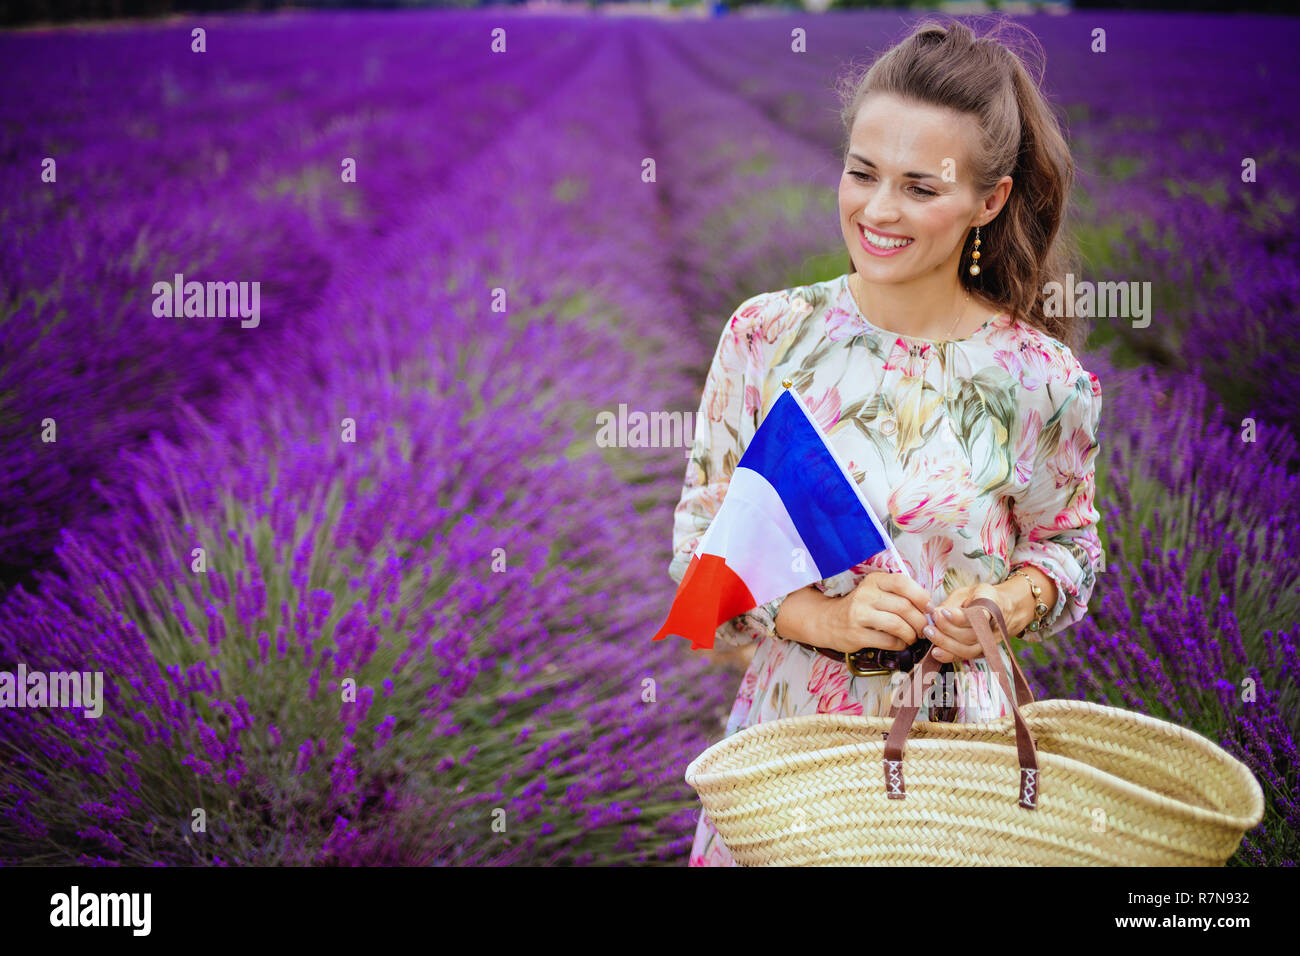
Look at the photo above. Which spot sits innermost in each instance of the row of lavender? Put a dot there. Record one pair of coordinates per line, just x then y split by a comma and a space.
155, 171
428, 644
1197, 620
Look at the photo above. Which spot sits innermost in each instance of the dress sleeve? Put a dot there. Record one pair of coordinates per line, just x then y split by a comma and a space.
714, 454
1055, 515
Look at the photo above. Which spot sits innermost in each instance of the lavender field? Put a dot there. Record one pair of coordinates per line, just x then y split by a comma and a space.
363, 583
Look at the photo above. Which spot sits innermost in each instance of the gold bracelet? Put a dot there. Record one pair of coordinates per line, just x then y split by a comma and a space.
1040, 609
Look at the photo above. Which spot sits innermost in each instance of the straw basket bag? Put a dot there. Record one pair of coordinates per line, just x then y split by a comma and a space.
1056, 783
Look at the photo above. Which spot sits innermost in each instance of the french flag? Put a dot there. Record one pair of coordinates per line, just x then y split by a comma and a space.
792, 515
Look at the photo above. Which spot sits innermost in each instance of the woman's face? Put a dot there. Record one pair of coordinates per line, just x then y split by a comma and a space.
891, 139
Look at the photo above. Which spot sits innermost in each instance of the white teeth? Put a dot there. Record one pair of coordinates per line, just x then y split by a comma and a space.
882, 243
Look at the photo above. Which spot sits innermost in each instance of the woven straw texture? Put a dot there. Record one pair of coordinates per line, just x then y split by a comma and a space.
1115, 788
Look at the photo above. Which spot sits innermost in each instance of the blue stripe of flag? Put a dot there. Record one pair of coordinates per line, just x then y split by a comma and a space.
792, 456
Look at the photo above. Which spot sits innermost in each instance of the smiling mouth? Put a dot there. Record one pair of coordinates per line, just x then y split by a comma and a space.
877, 241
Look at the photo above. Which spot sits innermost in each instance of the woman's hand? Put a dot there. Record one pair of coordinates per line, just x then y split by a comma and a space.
886, 609
953, 637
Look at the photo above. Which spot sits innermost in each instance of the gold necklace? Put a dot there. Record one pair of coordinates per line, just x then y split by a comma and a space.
857, 302
958, 319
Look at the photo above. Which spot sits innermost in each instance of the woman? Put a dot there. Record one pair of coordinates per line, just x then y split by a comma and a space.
957, 403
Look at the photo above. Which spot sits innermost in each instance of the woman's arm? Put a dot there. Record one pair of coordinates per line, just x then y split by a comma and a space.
1017, 599
799, 615
1056, 514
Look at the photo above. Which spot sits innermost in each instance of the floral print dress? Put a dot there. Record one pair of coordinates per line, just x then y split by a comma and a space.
980, 453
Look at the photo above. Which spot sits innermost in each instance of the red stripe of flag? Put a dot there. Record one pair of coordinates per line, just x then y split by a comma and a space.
710, 593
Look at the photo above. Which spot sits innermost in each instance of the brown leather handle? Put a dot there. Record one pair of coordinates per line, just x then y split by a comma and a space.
1026, 749
1023, 694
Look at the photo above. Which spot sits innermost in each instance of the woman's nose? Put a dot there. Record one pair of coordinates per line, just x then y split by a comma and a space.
881, 208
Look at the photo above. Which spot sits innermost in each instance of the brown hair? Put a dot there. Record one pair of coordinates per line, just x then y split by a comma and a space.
1025, 246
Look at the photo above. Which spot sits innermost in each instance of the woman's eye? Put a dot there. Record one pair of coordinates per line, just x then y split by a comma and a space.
918, 190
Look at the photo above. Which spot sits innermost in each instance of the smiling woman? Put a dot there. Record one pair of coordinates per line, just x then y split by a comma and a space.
952, 155
956, 403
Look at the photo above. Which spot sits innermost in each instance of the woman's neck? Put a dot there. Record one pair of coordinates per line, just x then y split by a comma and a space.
951, 313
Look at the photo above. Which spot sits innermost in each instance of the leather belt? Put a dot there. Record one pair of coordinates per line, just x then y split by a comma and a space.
873, 661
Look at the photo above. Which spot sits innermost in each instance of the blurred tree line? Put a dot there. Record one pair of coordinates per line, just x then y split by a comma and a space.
16, 12
57, 11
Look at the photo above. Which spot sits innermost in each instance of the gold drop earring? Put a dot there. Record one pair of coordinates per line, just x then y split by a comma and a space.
975, 255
